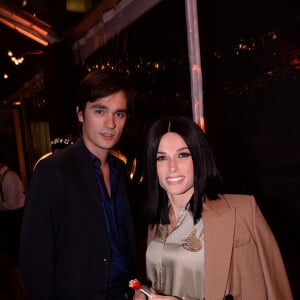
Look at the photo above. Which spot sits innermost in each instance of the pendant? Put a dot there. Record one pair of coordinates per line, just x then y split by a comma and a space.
192, 242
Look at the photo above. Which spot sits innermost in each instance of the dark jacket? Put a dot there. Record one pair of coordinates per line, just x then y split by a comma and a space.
64, 250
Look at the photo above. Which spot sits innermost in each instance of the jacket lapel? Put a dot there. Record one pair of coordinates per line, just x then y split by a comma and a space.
219, 221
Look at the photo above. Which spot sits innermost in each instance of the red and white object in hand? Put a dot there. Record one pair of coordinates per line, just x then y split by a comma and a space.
136, 285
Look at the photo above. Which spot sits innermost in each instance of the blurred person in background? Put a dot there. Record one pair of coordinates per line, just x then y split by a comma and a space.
12, 201
57, 144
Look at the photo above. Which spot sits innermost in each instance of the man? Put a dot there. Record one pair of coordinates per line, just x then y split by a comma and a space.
77, 239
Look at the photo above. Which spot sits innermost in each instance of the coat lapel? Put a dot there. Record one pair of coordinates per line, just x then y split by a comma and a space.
219, 221
88, 177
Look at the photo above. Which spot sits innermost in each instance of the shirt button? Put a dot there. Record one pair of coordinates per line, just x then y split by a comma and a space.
106, 261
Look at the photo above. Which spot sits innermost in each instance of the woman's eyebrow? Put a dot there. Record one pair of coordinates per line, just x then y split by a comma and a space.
180, 149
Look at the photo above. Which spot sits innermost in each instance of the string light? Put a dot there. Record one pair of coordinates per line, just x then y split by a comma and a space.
14, 59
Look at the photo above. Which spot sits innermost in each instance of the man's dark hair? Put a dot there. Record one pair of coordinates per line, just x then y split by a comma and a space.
99, 84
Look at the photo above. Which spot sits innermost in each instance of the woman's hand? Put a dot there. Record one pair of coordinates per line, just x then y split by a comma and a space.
138, 295
159, 297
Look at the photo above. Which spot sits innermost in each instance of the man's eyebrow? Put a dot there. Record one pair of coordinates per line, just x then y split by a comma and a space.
122, 110
97, 105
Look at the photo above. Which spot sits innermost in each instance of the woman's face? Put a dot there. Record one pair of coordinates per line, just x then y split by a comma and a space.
175, 167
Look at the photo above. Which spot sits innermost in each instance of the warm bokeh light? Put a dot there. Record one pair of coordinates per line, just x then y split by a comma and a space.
202, 123
17, 61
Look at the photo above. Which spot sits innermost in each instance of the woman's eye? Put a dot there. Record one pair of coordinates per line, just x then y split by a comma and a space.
184, 154
160, 157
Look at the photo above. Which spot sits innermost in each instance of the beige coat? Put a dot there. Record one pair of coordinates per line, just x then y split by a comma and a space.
242, 257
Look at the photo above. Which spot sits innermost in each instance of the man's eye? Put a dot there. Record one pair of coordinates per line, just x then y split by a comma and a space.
100, 111
120, 115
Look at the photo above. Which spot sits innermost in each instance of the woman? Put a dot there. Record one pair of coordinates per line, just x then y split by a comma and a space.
203, 244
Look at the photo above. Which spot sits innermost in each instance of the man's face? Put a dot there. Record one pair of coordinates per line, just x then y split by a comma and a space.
103, 122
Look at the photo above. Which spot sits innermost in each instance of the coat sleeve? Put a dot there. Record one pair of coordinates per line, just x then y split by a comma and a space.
41, 220
276, 280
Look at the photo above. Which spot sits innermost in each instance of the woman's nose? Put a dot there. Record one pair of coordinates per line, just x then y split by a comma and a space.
172, 165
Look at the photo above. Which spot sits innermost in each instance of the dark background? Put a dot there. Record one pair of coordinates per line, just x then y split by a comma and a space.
250, 59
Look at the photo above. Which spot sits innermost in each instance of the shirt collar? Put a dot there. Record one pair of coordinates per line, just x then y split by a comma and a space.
97, 162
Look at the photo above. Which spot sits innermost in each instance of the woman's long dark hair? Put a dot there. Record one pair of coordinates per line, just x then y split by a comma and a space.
207, 179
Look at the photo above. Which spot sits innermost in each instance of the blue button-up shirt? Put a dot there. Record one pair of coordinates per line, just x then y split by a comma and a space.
121, 266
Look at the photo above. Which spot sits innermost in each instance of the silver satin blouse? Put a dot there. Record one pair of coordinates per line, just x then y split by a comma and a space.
175, 261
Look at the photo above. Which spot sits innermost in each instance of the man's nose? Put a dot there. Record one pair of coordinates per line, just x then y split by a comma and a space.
110, 121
